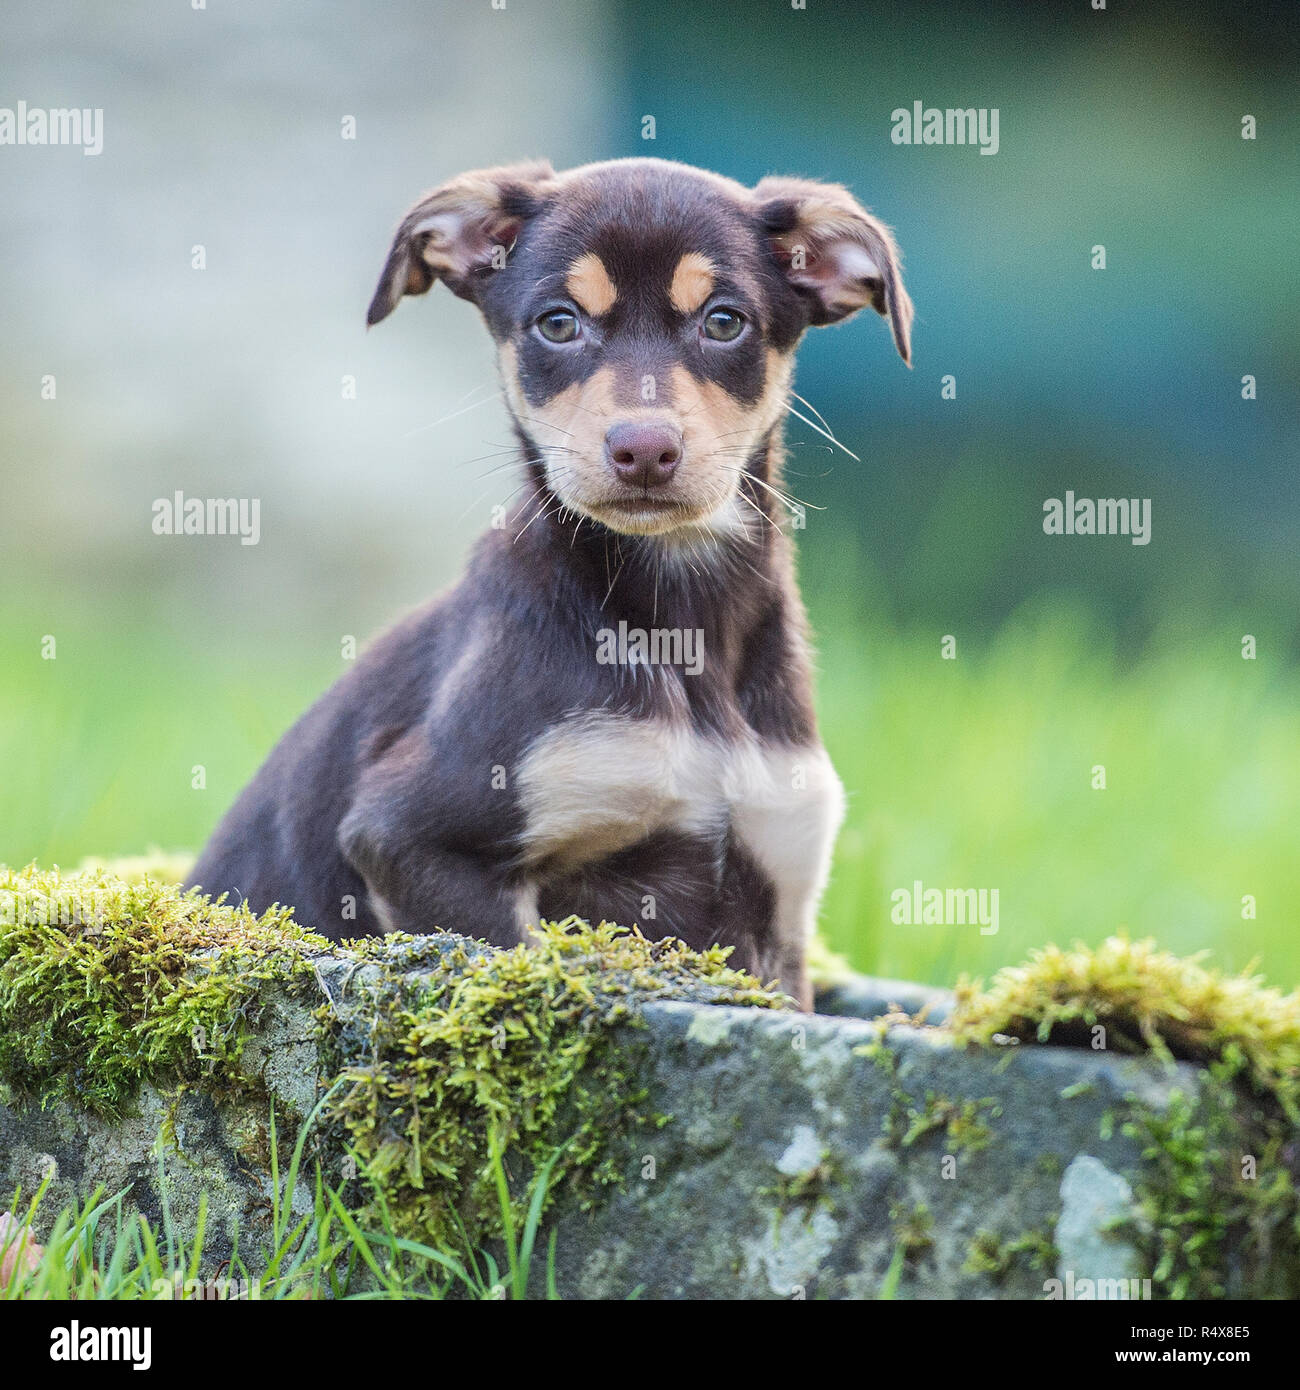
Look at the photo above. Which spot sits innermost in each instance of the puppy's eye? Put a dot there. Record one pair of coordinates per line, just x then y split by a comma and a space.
558, 326
723, 325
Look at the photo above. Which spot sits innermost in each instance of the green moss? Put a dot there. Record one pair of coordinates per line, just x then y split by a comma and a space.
104, 983
163, 866
913, 1228
877, 1051
961, 1121
989, 1254
1146, 1000
810, 1187
908, 1121
1209, 1228
1049, 1165
826, 967
111, 976
1221, 1177
510, 1047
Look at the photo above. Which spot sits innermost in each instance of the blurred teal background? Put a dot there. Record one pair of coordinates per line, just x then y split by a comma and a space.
223, 129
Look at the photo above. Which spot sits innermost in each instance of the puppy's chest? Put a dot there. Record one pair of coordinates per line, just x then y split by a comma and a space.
600, 782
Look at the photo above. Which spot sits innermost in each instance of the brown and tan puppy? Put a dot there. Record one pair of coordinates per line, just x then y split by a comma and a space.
611, 714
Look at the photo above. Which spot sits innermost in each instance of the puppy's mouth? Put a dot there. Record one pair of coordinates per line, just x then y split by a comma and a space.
640, 513
632, 509
683, 502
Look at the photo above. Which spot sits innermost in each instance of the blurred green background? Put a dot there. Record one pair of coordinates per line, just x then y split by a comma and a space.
223, 129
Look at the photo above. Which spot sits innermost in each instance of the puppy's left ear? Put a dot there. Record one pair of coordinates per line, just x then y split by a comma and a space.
456, 232
834, 251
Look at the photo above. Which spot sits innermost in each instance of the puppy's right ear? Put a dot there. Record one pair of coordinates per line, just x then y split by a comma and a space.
453, 233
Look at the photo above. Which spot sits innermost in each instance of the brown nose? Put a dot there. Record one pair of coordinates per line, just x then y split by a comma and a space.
644, 454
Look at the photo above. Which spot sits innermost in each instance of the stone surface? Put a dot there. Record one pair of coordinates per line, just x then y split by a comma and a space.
863, 996
802, 1153
781, 1177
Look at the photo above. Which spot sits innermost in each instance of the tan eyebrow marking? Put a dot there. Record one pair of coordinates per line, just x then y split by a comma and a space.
692, 282
589, 283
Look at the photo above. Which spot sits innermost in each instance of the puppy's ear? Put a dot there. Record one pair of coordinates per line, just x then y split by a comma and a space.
452, 233
833, 250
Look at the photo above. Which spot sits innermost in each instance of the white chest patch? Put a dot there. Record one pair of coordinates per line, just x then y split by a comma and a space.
599, 783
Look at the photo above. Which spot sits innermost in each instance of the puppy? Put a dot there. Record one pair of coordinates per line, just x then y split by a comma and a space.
611, 714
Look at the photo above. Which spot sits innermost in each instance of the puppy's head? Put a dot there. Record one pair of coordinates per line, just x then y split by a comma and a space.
646, 316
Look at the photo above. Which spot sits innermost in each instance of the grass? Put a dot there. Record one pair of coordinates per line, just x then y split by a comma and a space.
974, 772
977, 773
96, 1250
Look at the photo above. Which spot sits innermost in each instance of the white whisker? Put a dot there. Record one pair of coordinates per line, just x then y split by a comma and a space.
496, 395
827, 433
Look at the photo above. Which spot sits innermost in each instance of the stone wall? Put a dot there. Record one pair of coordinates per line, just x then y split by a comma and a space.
811, 1156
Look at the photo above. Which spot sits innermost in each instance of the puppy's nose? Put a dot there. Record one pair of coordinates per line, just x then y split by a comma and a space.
644, 454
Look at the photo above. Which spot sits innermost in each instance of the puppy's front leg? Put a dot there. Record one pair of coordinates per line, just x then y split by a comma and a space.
787, 819
417, 883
